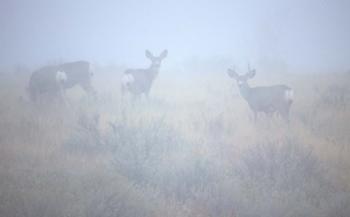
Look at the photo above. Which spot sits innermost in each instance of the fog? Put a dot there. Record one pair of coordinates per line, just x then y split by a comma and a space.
299, 35
174, 108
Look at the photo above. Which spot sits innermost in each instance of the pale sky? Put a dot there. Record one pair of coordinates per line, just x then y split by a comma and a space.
302, 34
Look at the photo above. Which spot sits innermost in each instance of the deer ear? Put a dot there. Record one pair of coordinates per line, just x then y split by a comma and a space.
148, 54
232, 73
164, 54
251, 74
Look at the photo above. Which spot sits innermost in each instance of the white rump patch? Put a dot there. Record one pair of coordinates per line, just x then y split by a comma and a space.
127, 79
289, 94
61, 76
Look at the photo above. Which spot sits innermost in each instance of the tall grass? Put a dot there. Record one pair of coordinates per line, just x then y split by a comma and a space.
189, 151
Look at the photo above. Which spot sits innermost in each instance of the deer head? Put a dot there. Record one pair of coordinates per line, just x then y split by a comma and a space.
242, 79
156, 60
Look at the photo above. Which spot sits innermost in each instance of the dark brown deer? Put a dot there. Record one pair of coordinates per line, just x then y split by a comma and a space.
78, 73
139, 81
53, 80
266, 99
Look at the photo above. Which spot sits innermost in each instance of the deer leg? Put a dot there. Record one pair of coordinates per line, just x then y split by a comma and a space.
255, 116
285, 114
286, 118
64, 99
270, 114
123, 93
134, 99
87, 87
147, 96
123, 90
34, 97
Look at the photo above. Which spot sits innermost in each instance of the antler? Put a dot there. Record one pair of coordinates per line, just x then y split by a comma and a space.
249, 69
251, 72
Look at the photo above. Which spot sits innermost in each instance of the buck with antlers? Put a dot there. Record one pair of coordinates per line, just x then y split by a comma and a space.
139, 81
266, 99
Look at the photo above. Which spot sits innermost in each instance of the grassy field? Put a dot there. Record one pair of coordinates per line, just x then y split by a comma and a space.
192, 149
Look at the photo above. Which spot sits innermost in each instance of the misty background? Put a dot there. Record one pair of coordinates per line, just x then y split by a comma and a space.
298, 36
193, 147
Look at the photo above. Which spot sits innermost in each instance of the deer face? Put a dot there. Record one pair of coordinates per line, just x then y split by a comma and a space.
156, 61
241, 79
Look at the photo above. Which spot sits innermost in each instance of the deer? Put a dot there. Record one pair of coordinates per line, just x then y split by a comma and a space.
139, 81
53, 80
78, 74
267, 99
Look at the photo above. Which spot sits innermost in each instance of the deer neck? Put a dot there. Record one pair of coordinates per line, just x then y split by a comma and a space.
153, 70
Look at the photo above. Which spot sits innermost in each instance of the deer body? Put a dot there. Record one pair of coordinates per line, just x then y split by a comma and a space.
266, 99
139, 81
52, 80
45, 81
78, 73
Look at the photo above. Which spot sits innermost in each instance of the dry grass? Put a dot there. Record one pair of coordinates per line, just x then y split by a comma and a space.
191, 150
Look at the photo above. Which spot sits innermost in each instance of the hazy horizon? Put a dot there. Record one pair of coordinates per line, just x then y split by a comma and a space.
187, 136
300, 35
